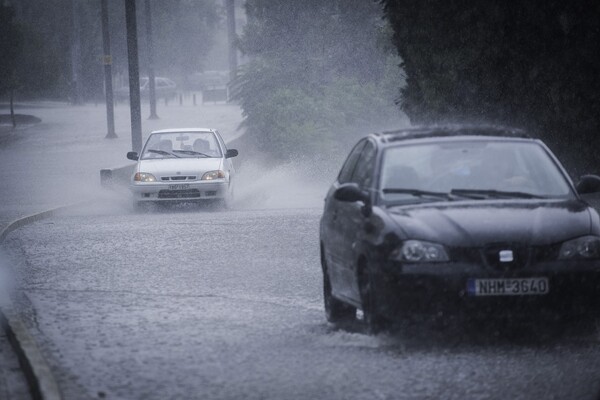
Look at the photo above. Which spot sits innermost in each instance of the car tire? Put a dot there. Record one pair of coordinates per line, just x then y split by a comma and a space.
336, 311
138, 207
374, 322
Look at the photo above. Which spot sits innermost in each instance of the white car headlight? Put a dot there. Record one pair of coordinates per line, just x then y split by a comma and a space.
585, 247
144, 177
416, 251
212, 175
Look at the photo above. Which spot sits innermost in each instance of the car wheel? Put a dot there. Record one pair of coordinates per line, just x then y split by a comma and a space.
138, 206
335, 310
221, 204
374, 322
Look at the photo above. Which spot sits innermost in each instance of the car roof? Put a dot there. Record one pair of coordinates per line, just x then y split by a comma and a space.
450, 131
184, 130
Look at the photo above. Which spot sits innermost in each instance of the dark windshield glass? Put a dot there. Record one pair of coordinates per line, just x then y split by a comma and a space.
181, 144
493, 166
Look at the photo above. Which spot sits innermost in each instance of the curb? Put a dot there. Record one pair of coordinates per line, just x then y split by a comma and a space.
16, 224
41, 381
38, 374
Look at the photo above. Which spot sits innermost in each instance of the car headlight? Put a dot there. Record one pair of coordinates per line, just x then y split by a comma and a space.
212, 175
144, 177
416, 251
585, 247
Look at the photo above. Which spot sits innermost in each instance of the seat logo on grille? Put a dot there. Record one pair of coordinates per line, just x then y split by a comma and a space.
506, 256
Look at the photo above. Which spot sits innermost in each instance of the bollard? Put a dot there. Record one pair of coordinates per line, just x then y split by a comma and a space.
180, 99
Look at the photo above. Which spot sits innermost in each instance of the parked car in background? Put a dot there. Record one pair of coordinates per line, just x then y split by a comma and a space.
476, 221
164, 88
213, 85
209, 80
190, 164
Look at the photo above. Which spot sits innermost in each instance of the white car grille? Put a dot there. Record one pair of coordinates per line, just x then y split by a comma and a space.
179, 178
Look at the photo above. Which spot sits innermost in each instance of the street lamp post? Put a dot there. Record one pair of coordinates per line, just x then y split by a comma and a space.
231, 36
134, 76
107, 61
151, 77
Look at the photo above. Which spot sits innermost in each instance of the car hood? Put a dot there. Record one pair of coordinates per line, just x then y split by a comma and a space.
482, 222
179, 166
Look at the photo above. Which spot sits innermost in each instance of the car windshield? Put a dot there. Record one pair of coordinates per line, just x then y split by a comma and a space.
181, 145
477, 169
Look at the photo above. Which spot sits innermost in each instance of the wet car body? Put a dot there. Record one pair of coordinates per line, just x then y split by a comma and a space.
188, 164
502, 253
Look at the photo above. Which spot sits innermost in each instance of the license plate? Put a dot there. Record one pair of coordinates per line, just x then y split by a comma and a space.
508, 287
180, 186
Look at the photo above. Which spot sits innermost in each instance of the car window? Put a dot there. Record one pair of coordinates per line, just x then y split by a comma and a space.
182, 145
508, 166
365, 167
348, 167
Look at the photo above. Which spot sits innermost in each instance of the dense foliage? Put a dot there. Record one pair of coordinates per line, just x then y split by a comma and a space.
318, 70
183, 33
11, 43
533, 64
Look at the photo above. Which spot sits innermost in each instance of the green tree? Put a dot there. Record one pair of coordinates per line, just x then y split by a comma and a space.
532, 64
183, 31
319, 71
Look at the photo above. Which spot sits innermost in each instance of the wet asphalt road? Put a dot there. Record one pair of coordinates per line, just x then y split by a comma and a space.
200, 304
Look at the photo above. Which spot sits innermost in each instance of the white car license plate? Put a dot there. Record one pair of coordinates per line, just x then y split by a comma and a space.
508, 287
180, 186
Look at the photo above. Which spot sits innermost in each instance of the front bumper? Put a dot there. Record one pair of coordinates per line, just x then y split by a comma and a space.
437, 289
195, 190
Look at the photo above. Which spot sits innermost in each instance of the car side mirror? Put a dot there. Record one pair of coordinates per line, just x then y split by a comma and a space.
231, 153
588, 184
350, 192
132, 155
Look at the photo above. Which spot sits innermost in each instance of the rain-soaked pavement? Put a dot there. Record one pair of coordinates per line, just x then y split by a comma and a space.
195, 303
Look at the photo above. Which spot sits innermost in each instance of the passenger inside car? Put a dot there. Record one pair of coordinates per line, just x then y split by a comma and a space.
165, 145
202, 146
499, 170
401, 177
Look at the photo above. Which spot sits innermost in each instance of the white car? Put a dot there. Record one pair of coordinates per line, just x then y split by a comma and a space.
164, 88
190, 164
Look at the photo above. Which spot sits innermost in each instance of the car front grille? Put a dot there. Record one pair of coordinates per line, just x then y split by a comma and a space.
179, 194
520, 256
179, 178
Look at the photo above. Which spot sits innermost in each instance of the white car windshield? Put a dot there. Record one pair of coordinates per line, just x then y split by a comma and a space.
181, 145
475, 169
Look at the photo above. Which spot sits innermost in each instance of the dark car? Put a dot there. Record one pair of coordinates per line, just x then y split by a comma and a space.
466, 220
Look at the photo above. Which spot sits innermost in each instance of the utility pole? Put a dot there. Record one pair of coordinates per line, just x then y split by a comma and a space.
134, 76
231, 36
76, 97
107, 61
150, 44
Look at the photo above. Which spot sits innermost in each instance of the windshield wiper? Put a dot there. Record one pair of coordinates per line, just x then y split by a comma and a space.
163, 152
191, 152
419, 193
485, 194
